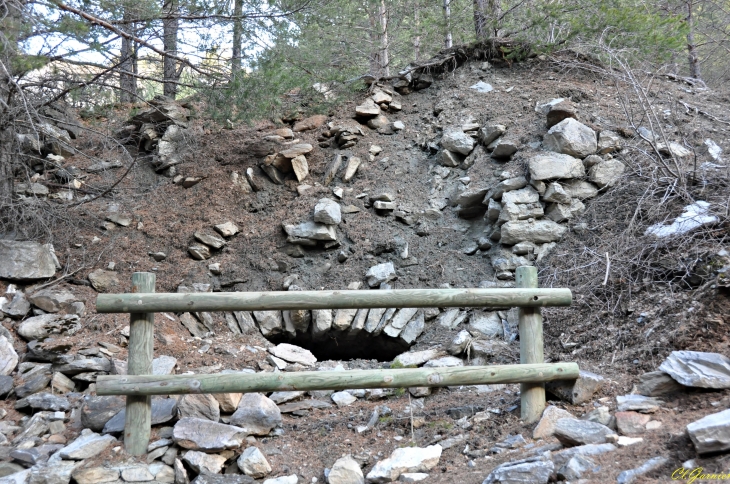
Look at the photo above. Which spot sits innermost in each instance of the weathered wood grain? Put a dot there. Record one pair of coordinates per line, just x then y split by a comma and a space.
137, 424
281, 300
532, 395
333, 380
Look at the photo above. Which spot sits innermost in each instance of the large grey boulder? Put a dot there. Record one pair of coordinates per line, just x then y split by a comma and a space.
555, 166
103, 280
458, 142
538, 232
25, 261
606, 173
45, 325
698, 369
711, 433
257, 414
163, 410
206, 436
571, 137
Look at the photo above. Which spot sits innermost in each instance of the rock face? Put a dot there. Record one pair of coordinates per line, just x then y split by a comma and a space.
25, 261
571, 137
711, 433
256, 414
554, 166
698, 369
406, 459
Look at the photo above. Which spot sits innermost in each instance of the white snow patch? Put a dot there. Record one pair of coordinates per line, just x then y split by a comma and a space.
713, 149
693, 217
482, 86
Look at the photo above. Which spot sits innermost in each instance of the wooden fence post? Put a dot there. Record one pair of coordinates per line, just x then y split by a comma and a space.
532, 395
138, 420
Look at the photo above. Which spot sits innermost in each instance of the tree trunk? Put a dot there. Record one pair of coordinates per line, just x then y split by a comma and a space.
494, 7
10, 25
417, 36
6, 166
692, 56
448, 39
237, 35
127, 81
384, 56
480, 20
169, 40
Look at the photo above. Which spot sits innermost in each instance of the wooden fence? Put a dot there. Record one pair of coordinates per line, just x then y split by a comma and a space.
139, 384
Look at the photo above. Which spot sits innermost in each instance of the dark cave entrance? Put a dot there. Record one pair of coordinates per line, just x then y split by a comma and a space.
331, 346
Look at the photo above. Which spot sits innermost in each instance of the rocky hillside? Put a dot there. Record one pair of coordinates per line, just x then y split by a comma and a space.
443, 180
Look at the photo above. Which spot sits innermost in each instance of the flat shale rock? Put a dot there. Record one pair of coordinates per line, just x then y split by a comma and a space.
629, 476
204, 435
527, 471
711, 433
87, 445
163, 410
638, 403
656, 383
293, 354
698, 369
223, 479
303, 405
571, 432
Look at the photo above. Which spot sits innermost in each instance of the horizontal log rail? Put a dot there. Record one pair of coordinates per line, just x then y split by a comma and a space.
333, 380
281, 300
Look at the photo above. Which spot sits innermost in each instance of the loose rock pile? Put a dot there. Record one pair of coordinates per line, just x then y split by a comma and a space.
525, 214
